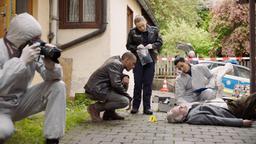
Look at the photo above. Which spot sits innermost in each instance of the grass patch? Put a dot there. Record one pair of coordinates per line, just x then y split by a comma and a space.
30, 130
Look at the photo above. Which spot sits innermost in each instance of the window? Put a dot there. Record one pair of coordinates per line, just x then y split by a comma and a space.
80, 13
244, 73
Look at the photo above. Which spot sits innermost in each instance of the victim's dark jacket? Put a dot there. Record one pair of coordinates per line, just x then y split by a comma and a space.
107, 78
135, 38
206, 114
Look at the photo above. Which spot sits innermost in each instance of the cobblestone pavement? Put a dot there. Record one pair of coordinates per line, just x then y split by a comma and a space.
136, 129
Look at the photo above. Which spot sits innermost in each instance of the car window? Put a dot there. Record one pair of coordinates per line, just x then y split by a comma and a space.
214, 65
244, 73
207, 64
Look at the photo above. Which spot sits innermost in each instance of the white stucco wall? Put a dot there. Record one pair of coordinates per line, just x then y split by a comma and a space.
41, 13
118, 23
118, 29
88, 56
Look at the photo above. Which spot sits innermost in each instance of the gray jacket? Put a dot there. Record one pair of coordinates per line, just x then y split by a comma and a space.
106, 78
206, 114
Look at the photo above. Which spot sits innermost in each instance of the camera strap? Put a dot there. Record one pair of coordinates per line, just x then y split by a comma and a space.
12, 51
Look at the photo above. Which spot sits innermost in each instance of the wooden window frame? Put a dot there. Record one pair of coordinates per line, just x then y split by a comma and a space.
65, 24
129, 19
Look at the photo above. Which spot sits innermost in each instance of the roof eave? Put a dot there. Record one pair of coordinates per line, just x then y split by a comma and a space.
146, 6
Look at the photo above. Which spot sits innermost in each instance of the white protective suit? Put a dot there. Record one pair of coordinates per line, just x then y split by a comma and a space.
18, 99
186, 85
216, 80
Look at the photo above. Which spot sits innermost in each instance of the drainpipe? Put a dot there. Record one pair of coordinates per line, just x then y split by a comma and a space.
92, 34
52, 38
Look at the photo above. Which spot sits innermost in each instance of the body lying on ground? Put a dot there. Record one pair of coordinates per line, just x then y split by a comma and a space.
237, 113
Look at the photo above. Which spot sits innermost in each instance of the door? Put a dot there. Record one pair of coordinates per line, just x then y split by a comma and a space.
2, 18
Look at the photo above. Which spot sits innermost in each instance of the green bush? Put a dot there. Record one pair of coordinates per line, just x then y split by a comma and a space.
30, 130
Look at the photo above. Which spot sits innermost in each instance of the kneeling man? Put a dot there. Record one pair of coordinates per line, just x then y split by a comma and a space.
108, 86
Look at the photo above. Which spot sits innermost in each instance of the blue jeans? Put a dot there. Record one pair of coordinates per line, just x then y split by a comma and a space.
143, 78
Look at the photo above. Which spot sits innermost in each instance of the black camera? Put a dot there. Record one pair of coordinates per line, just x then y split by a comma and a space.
52, 53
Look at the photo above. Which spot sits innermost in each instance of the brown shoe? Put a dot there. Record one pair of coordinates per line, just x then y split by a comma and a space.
95, 114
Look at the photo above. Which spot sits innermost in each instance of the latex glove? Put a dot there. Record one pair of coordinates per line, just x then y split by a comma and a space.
149, 46
141, 46
30, 53
49, 64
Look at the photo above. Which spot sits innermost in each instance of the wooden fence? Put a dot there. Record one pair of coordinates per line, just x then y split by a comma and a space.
165, 68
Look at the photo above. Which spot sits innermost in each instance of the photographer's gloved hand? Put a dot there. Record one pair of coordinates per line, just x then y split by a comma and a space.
149, 46
141, 46
49, 64
30, 53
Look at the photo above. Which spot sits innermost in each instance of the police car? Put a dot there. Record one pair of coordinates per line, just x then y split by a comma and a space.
239, 81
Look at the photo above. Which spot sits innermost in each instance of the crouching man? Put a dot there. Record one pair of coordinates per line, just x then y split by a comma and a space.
237, 113
108, 86
18, 64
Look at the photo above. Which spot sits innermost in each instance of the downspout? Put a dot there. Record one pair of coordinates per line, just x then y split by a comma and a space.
92, 34
52, 38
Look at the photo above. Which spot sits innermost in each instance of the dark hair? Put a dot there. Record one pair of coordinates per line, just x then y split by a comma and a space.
128, 55
178, 59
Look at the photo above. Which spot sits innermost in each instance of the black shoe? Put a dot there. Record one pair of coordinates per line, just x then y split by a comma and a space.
134, 111
148, 112
111, 115
52, 141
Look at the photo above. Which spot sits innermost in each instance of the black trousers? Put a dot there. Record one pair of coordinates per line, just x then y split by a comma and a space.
143, 78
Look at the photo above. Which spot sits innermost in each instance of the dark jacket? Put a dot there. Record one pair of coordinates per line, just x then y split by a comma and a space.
106, 78
205, 114
135, 38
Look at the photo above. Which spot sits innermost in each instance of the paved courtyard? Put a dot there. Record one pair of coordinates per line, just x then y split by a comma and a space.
137, 129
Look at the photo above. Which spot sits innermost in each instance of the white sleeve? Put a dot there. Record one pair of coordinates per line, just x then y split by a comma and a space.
10, 72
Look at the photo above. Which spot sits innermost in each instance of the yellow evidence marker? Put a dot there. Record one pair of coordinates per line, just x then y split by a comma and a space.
152, 119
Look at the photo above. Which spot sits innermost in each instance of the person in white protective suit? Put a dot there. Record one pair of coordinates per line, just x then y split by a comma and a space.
18, 98
191, 83
216, 80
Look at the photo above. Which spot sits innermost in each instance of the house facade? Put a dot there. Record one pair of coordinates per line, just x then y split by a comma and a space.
88, 31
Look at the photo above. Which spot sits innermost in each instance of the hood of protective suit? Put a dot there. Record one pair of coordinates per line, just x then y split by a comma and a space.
23, 27
228, 68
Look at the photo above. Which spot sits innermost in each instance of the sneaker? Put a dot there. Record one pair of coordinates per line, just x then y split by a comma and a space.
134, 111
148, 112
95, 114
111, 115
